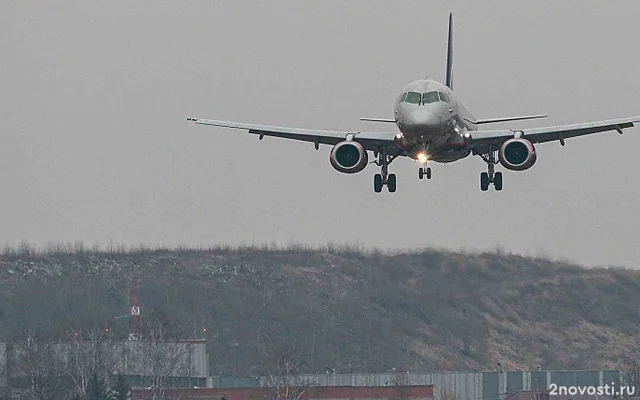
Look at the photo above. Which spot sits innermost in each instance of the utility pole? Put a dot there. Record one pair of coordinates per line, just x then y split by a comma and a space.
135, 319
499, 383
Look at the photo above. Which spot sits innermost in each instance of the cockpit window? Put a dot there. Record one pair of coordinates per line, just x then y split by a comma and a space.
413, 97
444, 97
402, 97
430, 97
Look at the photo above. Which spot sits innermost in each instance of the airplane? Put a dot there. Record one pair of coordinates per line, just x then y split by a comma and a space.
433, 125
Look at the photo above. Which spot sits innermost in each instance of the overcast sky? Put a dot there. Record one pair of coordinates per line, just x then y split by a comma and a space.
94, 145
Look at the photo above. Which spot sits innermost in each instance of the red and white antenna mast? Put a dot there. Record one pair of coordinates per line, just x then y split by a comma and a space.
135, 320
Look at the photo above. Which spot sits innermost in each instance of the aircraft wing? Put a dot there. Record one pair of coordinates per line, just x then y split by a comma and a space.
369, 140
487, 138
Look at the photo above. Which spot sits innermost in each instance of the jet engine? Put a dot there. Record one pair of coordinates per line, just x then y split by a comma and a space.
517, 154
349, 157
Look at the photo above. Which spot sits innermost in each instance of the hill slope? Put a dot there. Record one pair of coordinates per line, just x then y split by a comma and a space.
420, 311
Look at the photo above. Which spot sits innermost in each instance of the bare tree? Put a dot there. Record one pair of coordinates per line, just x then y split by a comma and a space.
401, 380
285, 383
631, 379
85, 358
40, 363
158, 358
121, 390
97, 389
3, 367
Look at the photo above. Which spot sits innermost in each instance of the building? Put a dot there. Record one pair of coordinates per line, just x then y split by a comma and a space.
424, 392
537, 395
480, 385
174, 363
185, 364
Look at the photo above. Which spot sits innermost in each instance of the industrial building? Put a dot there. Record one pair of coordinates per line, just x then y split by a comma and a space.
185, 364
537, 395
424, 392
488, 385
481, 385
178, 363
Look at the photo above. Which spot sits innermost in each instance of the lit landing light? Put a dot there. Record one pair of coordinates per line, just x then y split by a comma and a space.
466, 137
423, 158
400, 140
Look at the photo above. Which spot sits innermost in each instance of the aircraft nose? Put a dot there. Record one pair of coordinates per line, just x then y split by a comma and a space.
422, 119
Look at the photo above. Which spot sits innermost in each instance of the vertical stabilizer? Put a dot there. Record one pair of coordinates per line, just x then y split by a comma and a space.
449, 77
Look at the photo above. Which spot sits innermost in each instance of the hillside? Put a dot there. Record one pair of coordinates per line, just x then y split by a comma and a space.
355, 311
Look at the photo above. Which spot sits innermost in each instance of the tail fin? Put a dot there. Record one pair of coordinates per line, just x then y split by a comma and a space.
449, 77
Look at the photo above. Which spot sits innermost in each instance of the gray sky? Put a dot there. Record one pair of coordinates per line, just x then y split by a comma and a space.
94, 145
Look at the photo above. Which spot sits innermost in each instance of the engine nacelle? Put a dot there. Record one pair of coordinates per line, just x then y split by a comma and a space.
349, 157
517, 154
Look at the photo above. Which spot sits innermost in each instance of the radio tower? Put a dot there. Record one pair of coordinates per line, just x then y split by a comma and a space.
135, 321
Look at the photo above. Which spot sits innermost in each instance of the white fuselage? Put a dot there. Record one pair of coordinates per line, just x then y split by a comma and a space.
432, 121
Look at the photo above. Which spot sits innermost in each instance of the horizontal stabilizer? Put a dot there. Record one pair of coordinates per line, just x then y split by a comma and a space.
393, 121
491, 120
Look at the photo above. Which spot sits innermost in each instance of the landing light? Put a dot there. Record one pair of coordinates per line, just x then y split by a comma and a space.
423, 158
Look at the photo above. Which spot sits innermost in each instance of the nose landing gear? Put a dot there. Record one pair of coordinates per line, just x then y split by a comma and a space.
422, 171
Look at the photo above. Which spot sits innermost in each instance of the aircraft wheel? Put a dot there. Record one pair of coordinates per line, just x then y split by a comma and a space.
428, 172
377, 183
391, 183
484, 181
497, 181
420, 173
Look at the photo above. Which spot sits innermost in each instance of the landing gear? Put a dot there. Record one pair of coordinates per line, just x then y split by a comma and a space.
424, 171
487, 178
484, 181
377, 183
497, 181
391, 183
384, 178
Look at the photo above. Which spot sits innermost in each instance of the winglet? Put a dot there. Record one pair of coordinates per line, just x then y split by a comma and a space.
449, 76
192, 119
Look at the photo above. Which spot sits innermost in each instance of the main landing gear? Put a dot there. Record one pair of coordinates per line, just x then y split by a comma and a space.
424, 171
486, 178
384, 178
